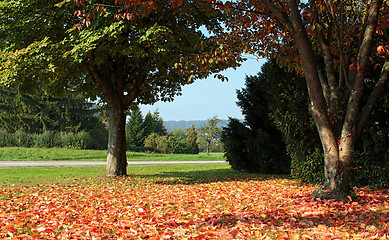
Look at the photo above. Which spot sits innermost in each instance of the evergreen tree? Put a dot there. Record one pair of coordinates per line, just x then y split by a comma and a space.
192, 137
134, 129
36, 113
153, 123
255, 145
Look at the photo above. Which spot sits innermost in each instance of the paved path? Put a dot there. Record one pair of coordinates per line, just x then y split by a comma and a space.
5, 164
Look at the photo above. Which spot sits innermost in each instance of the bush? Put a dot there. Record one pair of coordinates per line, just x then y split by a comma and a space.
253, 150
45, 140
48, 139
142, 149
234, 138
157, 142
66, 140
169, 144
7, 139
182, 146
84, 140
23, 139
81, 140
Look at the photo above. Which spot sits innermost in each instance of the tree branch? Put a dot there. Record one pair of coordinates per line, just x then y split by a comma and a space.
136, 90
102, 81
378, 89
350, 124
283, 19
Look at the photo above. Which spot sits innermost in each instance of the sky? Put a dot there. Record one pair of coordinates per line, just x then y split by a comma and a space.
208, 97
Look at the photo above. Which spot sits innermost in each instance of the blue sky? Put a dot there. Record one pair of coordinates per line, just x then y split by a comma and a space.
209, 97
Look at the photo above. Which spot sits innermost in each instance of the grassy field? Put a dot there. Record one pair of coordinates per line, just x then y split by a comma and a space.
179, 202
69, 175
63, 154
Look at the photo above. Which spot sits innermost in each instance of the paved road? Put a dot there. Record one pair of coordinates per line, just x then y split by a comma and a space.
5, 164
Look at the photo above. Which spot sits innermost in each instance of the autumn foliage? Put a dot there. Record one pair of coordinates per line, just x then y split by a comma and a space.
140, 208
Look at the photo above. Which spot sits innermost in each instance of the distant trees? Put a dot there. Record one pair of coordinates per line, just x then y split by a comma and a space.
149, 134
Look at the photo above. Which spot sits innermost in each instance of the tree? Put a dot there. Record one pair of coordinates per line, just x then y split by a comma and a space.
340, 48
153, 123
135, 129
36, 113
192, 137
121, 52
210, 132
255, 145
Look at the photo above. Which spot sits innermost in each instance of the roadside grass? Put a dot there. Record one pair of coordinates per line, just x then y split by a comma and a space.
64, 154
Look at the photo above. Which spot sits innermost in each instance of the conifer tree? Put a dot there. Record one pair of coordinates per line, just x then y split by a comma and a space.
134, 129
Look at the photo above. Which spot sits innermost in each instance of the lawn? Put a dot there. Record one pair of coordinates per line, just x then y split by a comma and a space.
180, 202
64, 154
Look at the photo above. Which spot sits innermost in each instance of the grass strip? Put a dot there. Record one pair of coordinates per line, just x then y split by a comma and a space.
64, 154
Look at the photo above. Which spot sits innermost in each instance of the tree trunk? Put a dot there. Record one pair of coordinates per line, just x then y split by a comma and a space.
336, 169
208, 147
337, 172
116, 157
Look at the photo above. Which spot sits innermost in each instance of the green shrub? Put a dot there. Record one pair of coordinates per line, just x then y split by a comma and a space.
66, 140
45, 140
157, 142
234, 138
23, 139
84, 141
100, 136
183, 146
7, 139
142, 149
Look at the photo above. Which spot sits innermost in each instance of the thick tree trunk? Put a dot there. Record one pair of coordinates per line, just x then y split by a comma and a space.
116, 157
337, 172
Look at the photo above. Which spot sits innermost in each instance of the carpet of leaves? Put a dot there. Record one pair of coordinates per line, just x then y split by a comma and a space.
136, 208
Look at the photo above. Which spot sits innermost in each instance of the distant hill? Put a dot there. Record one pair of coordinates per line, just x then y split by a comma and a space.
171, 125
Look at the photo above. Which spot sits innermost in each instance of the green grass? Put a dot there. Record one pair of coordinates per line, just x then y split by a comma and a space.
64, 154
167, 174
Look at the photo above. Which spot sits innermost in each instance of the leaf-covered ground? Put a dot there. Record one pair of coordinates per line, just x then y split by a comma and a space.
140, 208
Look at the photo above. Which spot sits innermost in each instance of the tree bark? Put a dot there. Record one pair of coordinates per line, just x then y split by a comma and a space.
116, 152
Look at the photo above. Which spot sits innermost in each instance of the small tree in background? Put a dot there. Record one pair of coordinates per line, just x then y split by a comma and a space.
135, 129
192, 137
209, 133
153, 123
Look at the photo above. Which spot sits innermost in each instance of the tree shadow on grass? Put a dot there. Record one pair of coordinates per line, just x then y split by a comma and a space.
205, 176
